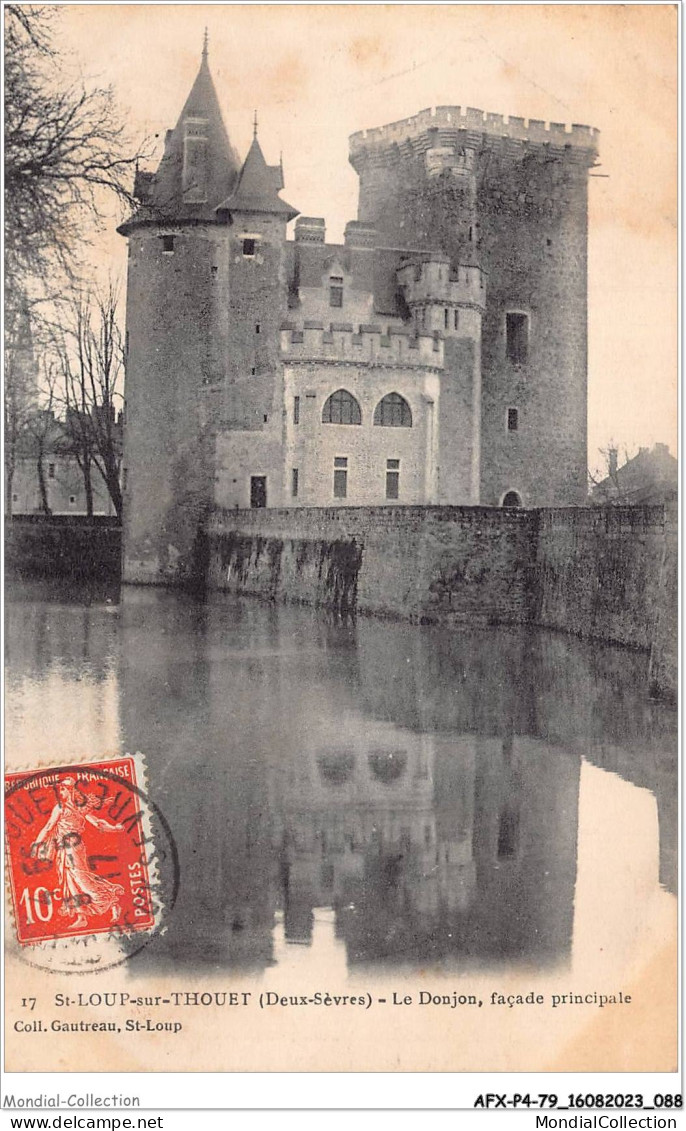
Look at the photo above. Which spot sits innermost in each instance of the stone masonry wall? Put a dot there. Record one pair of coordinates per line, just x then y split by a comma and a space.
600, 573
421, 563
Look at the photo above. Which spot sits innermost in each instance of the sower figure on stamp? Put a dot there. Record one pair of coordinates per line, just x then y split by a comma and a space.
83, 893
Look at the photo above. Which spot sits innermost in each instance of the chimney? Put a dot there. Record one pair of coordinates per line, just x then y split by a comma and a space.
359, 234
310, 229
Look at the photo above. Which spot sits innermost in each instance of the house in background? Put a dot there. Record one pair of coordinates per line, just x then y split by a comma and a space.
45, 450
651, 477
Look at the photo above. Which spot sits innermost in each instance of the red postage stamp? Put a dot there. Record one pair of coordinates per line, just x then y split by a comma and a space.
76, 849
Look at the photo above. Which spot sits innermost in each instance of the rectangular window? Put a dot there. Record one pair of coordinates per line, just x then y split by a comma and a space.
335, 291
508, 833
257, 327
296, 410
51, 471
517, 333
294, 483
456, 319
168, 245
512, 419
340, 477
248, 248
258, 491
446, 318
392, 478
72, 499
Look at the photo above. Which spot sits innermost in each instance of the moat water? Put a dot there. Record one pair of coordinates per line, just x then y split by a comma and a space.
365, 796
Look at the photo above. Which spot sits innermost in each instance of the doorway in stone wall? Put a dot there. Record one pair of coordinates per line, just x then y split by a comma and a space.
258, 491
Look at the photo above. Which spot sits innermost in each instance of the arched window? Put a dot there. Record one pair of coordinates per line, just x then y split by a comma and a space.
393, 412
512, 499
341, 408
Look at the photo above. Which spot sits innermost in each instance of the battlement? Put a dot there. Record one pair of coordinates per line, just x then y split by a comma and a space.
432, 280
370, 344
479, 121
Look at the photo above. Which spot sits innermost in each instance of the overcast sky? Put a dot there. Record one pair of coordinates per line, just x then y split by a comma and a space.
316, 73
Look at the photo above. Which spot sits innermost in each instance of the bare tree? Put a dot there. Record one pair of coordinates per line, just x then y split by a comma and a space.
605, 480
42, 435
65, 152
89, 352
21, 386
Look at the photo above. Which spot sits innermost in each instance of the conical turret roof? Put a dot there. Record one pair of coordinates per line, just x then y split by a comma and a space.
258, 187
164, 196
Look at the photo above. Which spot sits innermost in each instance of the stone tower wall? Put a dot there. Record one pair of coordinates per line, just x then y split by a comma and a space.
511, 199
257, 305
171, 383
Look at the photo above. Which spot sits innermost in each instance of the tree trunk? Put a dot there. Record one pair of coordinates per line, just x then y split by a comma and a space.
9, 479
88, 485
42, 485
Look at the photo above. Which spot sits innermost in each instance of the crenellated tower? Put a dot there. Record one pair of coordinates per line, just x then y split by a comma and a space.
508, 198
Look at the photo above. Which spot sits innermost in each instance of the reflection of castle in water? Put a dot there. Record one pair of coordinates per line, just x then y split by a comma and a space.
428, 848
423, 784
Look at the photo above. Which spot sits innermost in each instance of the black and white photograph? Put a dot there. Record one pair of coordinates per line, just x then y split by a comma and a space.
341, 508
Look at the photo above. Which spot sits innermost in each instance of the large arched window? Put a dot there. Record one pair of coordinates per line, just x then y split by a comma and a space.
393, 412
341, 408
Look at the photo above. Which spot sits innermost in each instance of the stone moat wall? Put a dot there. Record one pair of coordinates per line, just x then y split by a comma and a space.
599, 573
65, 546
606, 573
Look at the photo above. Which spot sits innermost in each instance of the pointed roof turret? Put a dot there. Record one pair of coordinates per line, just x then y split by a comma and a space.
258, 186
199, 166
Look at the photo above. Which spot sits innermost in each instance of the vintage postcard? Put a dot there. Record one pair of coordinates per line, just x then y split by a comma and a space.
341, 539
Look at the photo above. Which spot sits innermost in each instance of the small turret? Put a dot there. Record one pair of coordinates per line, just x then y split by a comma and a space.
258, 187
199, 167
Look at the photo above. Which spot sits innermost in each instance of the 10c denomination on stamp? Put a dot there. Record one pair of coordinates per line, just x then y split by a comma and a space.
79, 852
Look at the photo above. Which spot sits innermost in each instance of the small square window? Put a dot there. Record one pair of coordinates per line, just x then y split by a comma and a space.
249, 248
168, 245
512, 419
72, 499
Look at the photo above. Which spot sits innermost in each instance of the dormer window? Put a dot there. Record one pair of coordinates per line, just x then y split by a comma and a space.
195, 160
335, 290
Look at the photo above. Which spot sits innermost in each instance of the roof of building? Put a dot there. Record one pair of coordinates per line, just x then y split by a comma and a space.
651, 476
371, 270
258, 186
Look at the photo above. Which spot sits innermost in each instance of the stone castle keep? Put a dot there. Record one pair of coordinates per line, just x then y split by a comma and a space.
437, 356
